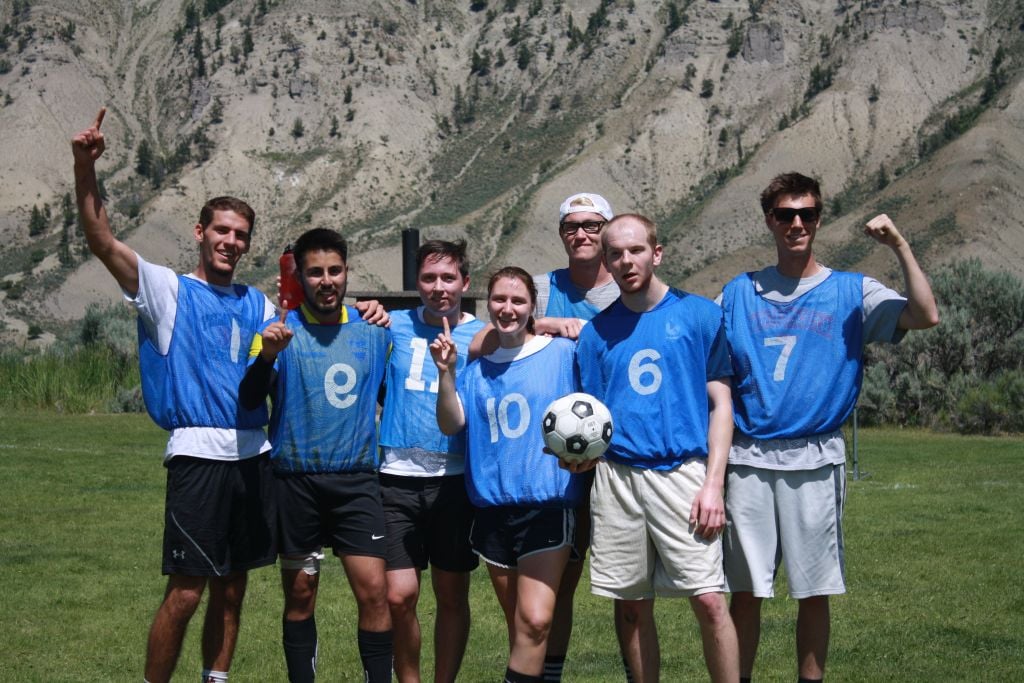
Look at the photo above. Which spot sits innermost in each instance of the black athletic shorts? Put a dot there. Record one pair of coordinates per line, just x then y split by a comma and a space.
503, 535
428, 520
219, 516
340, 510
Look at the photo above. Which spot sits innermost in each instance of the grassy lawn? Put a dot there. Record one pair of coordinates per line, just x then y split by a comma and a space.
934, 547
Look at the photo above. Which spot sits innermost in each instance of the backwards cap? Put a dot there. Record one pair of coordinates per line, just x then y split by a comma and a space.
585, 202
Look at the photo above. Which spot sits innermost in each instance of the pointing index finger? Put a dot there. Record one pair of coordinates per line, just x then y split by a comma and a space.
446, 326
99, 118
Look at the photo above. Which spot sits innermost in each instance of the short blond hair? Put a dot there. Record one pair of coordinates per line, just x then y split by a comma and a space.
649, 226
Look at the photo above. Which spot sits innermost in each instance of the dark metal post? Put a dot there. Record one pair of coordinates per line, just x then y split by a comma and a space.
410, 244
856, 448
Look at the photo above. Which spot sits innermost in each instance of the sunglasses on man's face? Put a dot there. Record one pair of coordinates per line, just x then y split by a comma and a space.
589, 227
785, 214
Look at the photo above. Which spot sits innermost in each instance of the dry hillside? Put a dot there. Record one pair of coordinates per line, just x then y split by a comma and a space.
476, 118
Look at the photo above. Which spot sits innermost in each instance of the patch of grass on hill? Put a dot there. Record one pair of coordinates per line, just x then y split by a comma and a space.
678, 219
849, 253
511, 160
294, 162
939, 231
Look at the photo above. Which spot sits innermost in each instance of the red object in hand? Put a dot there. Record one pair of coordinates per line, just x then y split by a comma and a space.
289, 294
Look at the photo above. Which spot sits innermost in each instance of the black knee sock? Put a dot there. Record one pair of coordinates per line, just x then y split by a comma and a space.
516, 677
299, 639
375, 650
553, 669
801, 679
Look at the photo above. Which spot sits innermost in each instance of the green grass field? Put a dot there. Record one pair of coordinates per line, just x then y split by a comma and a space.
934, 549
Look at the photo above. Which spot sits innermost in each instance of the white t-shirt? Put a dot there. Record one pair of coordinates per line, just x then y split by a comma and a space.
600, 297
157, 307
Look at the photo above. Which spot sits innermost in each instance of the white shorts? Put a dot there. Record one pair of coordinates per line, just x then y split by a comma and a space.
643, 544
795, 516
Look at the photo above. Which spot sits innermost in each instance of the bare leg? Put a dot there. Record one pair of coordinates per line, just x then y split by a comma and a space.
403, 596
536, 588
368, 580
169, 625
561, 627
367, 577
721, 651
746, 615
504, 583
299, 593
638, 639
812, 633
451, 627
223, 618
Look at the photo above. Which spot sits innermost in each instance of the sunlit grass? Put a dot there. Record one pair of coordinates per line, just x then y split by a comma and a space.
934, 538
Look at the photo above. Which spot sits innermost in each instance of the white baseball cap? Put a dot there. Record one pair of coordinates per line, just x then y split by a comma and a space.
585, 202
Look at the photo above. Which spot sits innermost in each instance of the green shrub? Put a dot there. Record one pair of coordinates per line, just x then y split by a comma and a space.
966, 374
992, 407
95, 368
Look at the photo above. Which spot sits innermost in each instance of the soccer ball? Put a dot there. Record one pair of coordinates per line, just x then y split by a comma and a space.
577, 427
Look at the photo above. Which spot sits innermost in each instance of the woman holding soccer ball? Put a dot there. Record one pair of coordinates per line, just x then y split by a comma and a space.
525, 504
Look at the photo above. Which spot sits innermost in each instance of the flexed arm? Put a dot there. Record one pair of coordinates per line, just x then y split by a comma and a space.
921, 311
87, 146
450, 416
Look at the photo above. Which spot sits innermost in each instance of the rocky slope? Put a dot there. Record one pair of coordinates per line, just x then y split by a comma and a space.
476, 118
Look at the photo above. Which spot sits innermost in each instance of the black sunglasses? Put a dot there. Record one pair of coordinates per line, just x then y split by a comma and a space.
589, 227
808, 214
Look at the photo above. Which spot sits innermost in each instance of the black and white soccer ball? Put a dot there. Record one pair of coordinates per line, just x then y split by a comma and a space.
577, 427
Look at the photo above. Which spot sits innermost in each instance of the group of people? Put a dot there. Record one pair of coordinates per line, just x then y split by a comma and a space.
727, 459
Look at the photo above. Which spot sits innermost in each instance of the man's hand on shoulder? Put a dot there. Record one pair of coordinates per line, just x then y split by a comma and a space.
559, 327
372, 311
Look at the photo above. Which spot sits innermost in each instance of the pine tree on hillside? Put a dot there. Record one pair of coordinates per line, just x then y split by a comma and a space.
37, 223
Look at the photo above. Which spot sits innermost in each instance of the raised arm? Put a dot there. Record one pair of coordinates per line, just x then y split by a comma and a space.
260, 376
450, 416
921, 311
87, 146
